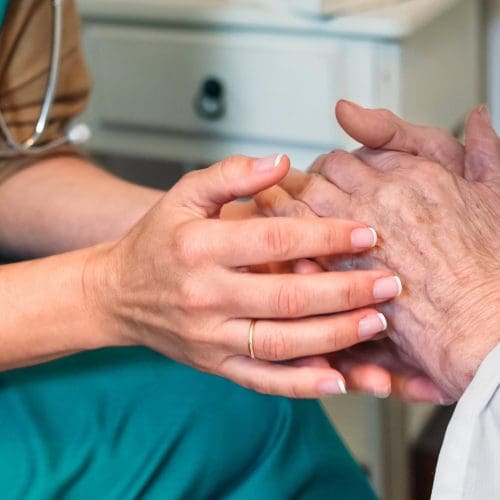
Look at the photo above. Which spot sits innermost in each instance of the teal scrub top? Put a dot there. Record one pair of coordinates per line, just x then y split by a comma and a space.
3, 10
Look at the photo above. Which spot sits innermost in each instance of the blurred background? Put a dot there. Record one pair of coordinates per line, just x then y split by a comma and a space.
180, 84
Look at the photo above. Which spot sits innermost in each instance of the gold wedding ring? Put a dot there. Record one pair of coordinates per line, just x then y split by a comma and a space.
250, 338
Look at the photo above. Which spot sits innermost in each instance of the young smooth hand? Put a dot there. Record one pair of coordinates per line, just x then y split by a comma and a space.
182, 283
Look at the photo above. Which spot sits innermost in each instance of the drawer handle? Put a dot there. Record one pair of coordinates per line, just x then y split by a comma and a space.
210, 103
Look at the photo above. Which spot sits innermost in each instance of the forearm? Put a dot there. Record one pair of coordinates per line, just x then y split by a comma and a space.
65, 203
46, 311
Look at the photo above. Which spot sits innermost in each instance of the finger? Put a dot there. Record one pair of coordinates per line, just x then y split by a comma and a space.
238, 210
299, 296
311, 362
482, 160
367, 378
324, 198
295, 182
259, 241
285, 340
283, 380
205, 191
347, 172
419, 389
306, 266
386, 160
277, 202
381, 129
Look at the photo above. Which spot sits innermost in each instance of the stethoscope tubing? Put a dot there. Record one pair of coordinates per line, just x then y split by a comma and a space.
29, 147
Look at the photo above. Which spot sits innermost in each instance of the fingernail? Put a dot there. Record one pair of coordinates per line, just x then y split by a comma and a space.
342, 387
485, 113
445, 402
371, 325
383, 393
268, 163
350, 103
334, 386
364, 237
387, 288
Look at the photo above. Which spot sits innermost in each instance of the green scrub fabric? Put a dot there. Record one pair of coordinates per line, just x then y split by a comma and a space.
3, 10
128, 423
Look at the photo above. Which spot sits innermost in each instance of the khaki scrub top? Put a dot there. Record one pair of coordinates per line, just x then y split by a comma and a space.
25, 44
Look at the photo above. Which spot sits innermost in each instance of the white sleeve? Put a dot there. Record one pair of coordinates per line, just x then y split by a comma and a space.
469, 462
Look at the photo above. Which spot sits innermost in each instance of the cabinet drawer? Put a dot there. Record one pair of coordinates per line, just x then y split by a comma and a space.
274, 88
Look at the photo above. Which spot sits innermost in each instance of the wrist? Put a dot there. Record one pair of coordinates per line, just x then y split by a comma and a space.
101, 295
467, 353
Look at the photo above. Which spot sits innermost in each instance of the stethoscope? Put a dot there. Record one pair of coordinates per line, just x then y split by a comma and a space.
76, 135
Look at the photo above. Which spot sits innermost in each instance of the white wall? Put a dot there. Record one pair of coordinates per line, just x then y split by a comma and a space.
493, 59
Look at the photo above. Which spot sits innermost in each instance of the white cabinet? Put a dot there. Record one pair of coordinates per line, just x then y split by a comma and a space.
277, 74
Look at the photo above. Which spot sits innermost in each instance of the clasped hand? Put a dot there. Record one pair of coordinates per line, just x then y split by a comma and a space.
187, 283
436, 205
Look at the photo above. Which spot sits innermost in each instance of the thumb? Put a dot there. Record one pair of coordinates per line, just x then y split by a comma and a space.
206, 191
382, 129
482, 157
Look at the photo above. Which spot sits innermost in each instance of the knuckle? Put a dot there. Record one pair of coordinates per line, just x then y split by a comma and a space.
261, 386
331, 237
228, 166
188, 246
335, 158
352, 295
314, 184
317, 194
289, 301
388, 116
431, 180
194, 298
189, 176
298, 210
333, 339
389, 197
328, 165
225, 166
428, 172
318, 163
274, 346
232, 160
295, 391
278, 241
314, 187
228, 173
385, 114
188, 181
182, 242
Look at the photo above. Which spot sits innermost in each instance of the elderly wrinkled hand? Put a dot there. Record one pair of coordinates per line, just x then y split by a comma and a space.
441, 234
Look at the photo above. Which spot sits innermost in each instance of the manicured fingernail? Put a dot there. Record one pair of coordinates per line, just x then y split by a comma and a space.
364, 237
277, 161
342, 387
383, 393
371, 325
334, 386
387, 288
268, 163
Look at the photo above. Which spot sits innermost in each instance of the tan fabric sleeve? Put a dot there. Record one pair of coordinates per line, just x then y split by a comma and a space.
25, 45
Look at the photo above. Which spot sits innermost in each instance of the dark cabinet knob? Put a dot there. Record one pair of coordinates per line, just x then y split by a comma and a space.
210, 103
